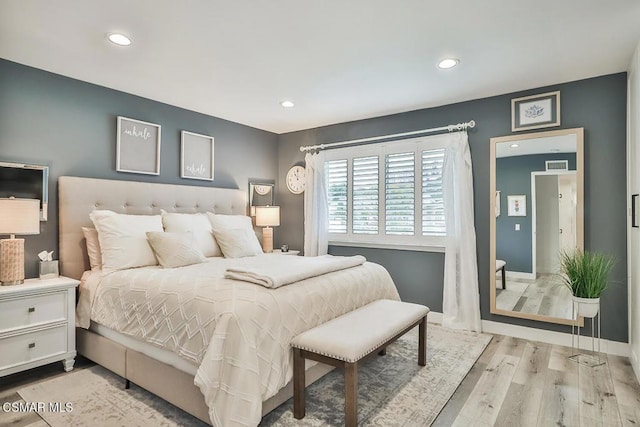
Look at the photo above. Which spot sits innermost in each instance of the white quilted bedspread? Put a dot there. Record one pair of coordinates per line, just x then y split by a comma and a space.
237, 332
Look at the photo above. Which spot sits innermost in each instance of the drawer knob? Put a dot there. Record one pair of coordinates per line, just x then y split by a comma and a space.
32, 309
32, 345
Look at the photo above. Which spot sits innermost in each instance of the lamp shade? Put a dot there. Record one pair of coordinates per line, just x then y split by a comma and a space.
19, 216
267, 216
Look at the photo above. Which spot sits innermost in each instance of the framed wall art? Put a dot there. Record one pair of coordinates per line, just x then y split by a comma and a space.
138, 147
535, 112
196, 156
517, 205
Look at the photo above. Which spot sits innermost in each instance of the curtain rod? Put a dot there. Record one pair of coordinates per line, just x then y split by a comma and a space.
450, 128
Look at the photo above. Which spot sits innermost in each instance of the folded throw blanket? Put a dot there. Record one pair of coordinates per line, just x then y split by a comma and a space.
273, 271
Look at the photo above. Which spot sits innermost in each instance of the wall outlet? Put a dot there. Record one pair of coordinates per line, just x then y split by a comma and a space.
517, 227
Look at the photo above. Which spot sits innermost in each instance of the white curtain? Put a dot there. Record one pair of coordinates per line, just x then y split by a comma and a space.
316, 220
461, 300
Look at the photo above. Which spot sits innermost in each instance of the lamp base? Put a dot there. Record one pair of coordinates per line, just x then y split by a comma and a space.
267, 240
11, 261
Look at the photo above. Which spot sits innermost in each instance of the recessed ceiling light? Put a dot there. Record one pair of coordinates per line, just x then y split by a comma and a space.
447, 63
514, 146
119, 39
287, 104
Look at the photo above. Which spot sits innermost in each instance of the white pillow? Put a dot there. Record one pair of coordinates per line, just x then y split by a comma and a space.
93, 248
175, 249
235, 235
198, 225
123, 239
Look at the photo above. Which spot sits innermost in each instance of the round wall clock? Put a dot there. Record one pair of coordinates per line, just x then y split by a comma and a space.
296, 179
262, 190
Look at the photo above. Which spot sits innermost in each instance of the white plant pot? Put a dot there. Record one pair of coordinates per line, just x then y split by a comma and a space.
587, 307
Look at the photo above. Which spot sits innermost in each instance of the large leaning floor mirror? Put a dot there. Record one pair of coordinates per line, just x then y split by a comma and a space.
537, 206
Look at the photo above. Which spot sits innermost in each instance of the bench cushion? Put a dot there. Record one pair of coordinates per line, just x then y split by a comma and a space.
352, 336
499, 264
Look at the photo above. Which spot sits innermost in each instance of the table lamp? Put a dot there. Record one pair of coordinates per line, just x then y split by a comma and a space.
17, 216
267, 217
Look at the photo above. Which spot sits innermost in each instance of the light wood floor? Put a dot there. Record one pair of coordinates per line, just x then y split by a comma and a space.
515, 382
546, 296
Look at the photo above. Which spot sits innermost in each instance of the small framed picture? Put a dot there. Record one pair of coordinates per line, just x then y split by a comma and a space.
517, 205
137, 147
197, 156
535, 112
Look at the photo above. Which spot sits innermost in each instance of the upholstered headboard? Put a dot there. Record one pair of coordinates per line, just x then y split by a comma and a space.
77, 197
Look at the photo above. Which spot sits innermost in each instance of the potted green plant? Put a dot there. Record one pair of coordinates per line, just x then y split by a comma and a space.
586, 274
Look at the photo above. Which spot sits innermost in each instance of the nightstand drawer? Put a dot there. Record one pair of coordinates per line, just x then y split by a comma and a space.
21, 312
24, 348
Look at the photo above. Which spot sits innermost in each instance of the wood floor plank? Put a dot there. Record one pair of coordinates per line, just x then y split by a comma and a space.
533, 365
559, 359
598, 403
511, 346
485, 400
447, 416
521, 406
560, 399
629, 415
624, 381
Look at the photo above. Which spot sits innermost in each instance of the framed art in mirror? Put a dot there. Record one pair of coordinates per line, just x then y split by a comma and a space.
545, 205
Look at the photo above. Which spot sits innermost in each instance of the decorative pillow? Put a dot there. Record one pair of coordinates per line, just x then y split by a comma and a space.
235, 235
123, 239
93, 248
175, 249
198, 224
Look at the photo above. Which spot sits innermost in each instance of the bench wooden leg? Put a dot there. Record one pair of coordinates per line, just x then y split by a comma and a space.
382, 352
422, 344
504, 279
298, 385
351, 394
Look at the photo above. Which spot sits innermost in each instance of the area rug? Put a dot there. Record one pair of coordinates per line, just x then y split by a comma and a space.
393, 390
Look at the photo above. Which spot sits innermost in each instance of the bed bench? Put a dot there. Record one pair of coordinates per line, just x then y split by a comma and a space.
348, 339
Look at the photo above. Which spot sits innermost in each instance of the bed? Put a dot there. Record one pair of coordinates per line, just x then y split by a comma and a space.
264, 319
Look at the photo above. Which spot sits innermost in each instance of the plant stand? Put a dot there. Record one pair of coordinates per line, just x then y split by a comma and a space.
591, 360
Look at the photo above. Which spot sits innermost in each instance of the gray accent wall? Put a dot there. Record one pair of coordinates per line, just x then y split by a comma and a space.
70, 126
513, 177
597, 104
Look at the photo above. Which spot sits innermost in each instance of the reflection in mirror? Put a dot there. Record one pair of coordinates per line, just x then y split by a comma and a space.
537, 206
261, 194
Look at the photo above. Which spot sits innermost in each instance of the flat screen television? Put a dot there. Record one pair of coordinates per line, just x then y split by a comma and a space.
25, 181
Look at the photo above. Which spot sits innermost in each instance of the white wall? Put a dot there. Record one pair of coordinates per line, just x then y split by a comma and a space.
633, 187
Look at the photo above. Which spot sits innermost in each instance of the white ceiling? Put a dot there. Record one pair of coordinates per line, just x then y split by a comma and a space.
548, 145
337, 60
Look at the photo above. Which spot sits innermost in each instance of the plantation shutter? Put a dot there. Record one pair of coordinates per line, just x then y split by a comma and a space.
365, 195
400, 193
433, 219
336, 184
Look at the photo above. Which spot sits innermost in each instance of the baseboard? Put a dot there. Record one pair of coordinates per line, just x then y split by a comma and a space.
635, 363
551, 337
520, 275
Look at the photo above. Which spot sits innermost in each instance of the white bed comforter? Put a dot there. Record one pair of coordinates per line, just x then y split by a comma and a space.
237, 332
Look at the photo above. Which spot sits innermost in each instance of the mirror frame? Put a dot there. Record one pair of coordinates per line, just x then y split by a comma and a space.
579, 132
252, 184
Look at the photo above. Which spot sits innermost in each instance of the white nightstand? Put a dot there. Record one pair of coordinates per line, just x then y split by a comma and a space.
290, 252
37, 324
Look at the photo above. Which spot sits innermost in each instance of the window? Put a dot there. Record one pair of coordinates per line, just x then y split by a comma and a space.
387, 194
